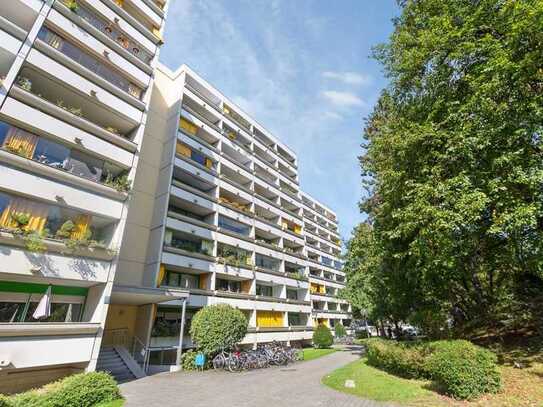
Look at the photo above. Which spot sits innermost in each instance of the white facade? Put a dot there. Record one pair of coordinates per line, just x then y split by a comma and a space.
214, 212
230, 223
76, 79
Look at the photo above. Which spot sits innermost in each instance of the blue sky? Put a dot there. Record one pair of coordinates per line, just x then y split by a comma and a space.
301, 68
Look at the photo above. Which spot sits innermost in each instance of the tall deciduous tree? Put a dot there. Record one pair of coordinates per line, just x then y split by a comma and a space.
454, 164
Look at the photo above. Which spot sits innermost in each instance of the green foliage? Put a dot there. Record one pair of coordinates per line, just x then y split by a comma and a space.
400, 359
452, 164
34, 242
66, 230
187, 360
24, 83
340, 330
322, 337
21, 219
79, 390
217, 327
120, 182
463, 370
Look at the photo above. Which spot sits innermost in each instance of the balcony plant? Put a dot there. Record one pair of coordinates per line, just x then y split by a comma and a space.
73, 6
34, 242
66, 230
24, 83
120, 182
76, 111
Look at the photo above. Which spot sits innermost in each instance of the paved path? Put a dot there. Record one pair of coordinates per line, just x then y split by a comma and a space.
297, 385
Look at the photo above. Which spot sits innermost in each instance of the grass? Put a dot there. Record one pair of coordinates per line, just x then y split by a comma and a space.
521, 387
374, 384
312, 353
114, 403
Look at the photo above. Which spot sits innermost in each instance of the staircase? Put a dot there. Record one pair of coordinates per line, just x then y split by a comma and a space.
119, 363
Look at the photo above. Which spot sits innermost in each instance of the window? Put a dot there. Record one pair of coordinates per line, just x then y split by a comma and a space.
60, 312
4, 128
294, 319
174, 279
85, 166
267, 262
18, 301
292, 294
264, 290
233, 226
228, 285
11, 311
52, 154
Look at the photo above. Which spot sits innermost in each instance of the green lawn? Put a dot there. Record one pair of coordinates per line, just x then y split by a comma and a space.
312, 353
377, 385
114, 403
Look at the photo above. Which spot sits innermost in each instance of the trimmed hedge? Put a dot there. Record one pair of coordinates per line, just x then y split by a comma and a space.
464, 370
217, 326
79, 390
322, 337
400, 359
460, 368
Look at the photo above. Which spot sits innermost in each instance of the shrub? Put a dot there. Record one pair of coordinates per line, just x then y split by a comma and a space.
340, 331
402, 360
322, 337
216, 327
187, 360
462, 369
79, 390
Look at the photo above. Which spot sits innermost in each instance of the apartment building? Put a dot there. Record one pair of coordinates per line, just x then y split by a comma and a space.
76, 84
228, 224
132, 196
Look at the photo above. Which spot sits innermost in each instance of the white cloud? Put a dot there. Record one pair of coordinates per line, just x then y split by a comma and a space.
342, 99
349, 78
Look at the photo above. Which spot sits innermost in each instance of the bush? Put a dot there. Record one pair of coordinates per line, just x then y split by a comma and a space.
216, 327
79, 390
462, 369
340, 331
399, 359
322, 337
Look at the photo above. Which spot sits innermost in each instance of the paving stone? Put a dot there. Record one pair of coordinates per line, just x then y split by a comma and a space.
298, 385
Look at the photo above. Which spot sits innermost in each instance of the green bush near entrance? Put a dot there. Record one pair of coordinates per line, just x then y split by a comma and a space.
322, 337
79, 390
217, 327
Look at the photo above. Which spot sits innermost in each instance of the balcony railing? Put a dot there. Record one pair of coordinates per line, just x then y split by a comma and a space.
111, 30
89, 62
55, 155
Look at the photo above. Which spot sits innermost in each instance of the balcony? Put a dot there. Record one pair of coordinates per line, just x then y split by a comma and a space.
89, 62
41, 225
188, 243
112, 31
233, 256
236, 118
230, 225
52, 154
56, 99
267, 263
234, 202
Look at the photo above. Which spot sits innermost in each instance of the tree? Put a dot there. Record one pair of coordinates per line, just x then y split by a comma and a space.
217, 327
453, 166
322, 337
